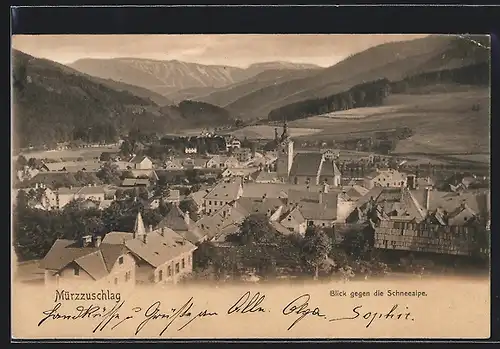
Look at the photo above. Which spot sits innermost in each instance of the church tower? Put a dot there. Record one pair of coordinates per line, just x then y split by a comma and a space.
285, 154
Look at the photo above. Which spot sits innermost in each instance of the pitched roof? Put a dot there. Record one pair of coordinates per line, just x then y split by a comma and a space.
260, 205
138, 159
62, 253
131, 182
96, 261
89, 190
477, 201
274, 190
329, 168
175, 220
264, 176
158, 248
302, 196
198, 197
306, 164
139, 228
317, 211
280, 228
225, 190
73, 166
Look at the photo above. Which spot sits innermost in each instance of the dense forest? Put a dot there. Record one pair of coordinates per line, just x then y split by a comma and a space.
52, 103
368, 94
372, 93
476, 74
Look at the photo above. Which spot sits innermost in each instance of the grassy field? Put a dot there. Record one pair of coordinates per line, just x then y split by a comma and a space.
267, 132
443, 123
85, 153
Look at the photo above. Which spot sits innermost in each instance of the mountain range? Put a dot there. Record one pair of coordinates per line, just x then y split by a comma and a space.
127, 92
168, 77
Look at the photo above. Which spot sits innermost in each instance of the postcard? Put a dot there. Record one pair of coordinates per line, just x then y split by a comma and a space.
251, 186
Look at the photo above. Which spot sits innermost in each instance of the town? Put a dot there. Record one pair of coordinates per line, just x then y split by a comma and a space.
183, 209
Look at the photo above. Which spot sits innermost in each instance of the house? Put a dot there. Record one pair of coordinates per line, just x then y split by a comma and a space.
224, 192
317, 208
229, 162
144, 173
73, 166
73, 262
411, 236
181, 223
173, 164
26, 173
385, 178
135, 182
262, 176
173, 197
42, 197
66, 195
387, 203
238, 172
198, 198
190, 150
162, 255
233, 143
230, 214
141, 162
293, 220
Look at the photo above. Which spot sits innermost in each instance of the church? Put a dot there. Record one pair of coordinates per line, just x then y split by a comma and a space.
303, 168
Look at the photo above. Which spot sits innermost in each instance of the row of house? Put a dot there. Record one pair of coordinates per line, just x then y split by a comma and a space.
143, 256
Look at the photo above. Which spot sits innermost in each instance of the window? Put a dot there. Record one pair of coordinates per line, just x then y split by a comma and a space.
176, 268
169, 271
120, 260
183, 265
160, 275
116, 281
210, 202
323, 224
127, 276
77, 270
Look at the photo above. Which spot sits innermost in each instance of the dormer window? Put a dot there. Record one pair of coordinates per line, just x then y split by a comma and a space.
77, 270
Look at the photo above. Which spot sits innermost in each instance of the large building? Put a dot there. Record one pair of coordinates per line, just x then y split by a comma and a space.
304, 168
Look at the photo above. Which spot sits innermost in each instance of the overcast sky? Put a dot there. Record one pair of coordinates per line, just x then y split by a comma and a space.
234, 50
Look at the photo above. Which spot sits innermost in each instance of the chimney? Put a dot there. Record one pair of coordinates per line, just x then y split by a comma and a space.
150, 228
325, 187
86, 240
98, 241
427, 198
36, 186
186, 218
144, 238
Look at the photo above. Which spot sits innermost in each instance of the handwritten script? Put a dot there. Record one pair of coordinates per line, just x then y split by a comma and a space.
179, 317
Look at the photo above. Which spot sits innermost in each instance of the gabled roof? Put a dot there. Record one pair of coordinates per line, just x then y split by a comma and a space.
138, 159
226, 190
161, 245
96, 261
306, 164
329, 168
260, 205
175, 220
198, 197
294, 214
317, 211
280, 228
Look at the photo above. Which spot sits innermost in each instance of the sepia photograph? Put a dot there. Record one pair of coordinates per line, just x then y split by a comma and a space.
251, 186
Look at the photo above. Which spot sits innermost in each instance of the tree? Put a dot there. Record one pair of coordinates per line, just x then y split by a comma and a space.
21, 162
105, 156
256, 228
317, 246
109, 173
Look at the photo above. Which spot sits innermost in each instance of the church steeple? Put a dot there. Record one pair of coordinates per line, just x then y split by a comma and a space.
139, 228
284, 135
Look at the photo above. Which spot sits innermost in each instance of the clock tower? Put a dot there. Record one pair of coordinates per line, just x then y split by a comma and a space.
285, 154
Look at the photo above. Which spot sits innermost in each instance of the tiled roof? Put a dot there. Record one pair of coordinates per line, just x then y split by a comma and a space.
449, 201
264, 176
298, 196
130, 182
274, 190
225, 190
73, 166
329, 168
138, 159
198, 197
294, 214
158, 248
313, 211
96, 261
260, 205
306, 164
281, 229
175, 220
